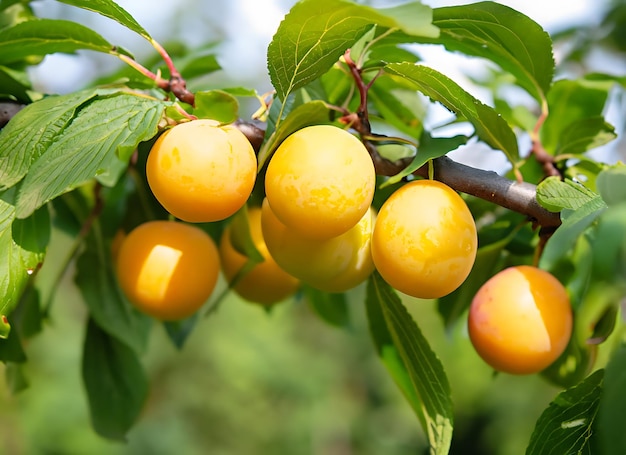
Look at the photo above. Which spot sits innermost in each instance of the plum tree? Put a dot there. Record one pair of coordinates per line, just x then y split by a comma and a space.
339, 178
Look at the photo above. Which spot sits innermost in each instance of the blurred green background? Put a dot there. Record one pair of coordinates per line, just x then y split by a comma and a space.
252, 382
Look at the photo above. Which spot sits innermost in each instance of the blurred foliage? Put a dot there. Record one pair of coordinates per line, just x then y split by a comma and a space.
252, 382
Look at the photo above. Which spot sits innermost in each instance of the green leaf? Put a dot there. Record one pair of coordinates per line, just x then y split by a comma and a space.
388, 351
315, 33
429, 148
490, 127
15, 377
585, 134
200, 65
399, 105
179, 331
97, 143
574, 225
13, 12
27, 315
566, 426
505, 36
572, 365
312, 113
568, 102
40, 37
216, 105
11, 349
22, 247
555, 194
29, 134
609, 245
116, 384
112, 10
612, 412
612, 184
424, 368
15, 84
331, 307
241, 236
108, 307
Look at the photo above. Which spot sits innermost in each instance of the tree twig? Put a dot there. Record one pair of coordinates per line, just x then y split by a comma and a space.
488, 185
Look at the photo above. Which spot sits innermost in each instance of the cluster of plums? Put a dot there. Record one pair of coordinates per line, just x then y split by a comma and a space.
317, 226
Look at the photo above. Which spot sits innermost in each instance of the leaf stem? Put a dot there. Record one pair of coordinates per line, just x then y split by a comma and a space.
160, 82
177, 85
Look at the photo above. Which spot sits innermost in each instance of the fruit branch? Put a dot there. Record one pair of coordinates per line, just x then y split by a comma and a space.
488, 185
176, 84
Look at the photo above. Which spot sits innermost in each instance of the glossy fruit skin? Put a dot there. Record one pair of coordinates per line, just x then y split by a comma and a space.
266, 283
424, 242
167, 269
201, 171
320, 181
332, 265
520, 320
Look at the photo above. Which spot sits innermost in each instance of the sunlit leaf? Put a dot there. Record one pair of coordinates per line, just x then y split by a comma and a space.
99, 140
427, 375
490, 127
585, 134
22, 247
111, 10
216, 105
20, 146
570, 101
555, 194
399, 105
315, 33
503, 35
566, 426
47, 36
